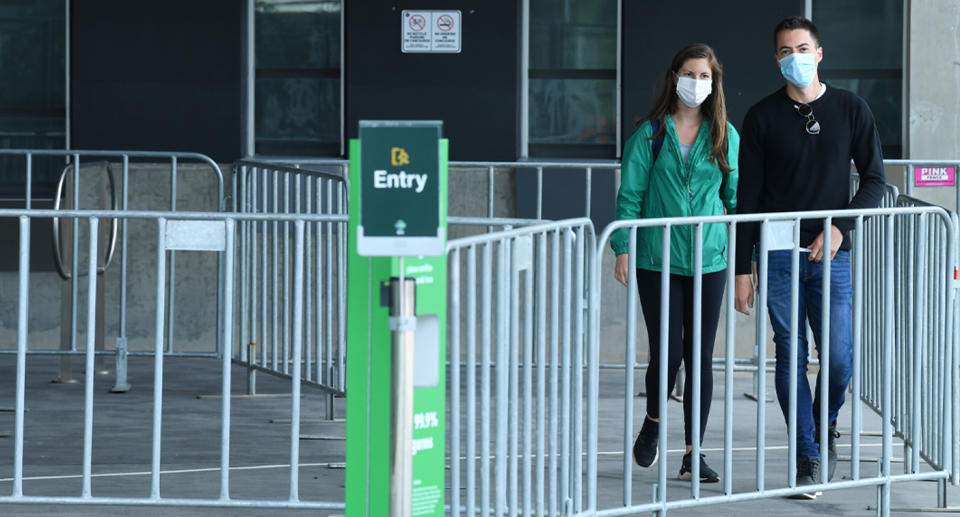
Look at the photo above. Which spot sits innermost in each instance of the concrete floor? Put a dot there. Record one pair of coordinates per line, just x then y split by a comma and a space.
260, 445
857, 501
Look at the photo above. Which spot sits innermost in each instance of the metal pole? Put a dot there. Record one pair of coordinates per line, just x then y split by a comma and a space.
89, 368
172, 262
226, 379
761, 344
295, 369
631, 355
122, 385
158, 359
66, 295
402, 326
454, 329
23, 309
471, 374
794, 339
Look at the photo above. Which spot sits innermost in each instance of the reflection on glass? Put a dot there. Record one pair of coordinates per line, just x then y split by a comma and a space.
572, 111
573, 59
863, 52
573, 46
297, 34
297, 91
858, 34
298, 109
32, 90
884, 96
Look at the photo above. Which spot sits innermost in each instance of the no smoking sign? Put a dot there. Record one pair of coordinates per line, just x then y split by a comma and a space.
430, 31
445, 22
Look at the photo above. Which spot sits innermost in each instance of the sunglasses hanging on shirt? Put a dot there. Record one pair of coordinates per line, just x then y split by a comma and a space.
812, 126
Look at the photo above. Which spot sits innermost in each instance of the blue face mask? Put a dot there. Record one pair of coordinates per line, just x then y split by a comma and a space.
799, 69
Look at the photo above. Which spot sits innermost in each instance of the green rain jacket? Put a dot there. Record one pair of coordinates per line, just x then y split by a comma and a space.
671, 187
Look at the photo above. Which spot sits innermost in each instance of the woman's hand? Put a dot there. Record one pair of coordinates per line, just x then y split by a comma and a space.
622, 268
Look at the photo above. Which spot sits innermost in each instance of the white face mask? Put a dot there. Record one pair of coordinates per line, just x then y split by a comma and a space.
693, 92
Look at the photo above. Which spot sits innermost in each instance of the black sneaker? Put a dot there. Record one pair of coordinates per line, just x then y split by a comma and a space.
645, 450
808, 471
832, 435
707, 474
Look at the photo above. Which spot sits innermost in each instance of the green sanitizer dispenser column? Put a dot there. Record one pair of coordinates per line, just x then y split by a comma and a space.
396, 320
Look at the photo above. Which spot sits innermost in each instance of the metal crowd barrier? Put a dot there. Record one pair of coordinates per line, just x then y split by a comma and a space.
265, 264
934, 437
309, 187
76, 164
517, 330
924, 380
192, 231
874, 235
492, 171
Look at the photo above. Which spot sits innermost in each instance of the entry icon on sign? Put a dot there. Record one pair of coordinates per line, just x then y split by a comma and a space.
398, 156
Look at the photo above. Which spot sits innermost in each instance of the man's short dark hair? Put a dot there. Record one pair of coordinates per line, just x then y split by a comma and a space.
796, 22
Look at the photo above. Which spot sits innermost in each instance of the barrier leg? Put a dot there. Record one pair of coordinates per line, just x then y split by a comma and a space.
66, 363
678, 386
941, 493
120, 384
758, 376
100, 360
251, 371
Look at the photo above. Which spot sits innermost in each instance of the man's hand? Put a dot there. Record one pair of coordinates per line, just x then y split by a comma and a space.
621, 269
816, 248
743, 291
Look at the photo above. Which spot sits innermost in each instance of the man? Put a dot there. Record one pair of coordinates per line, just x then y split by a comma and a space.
795, 153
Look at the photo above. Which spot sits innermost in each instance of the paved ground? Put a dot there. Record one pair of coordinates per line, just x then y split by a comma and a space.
859, 501
260, 444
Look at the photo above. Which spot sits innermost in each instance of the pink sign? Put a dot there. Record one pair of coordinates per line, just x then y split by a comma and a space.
934, 176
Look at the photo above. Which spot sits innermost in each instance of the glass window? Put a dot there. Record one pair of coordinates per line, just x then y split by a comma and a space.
297, 89
863, 52
573, 114
573, 61
32, 90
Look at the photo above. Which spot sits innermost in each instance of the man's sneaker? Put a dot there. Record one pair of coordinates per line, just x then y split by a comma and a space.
808, 471
707, 474
832, 435
645, 450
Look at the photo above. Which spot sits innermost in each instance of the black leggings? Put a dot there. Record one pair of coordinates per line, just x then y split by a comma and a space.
681, 338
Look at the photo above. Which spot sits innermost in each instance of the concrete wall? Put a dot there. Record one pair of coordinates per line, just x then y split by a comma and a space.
932, 83
195, 272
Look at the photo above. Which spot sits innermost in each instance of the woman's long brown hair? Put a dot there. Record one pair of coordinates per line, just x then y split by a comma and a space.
713, 109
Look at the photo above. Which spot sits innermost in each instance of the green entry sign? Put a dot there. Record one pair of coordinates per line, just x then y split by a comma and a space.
400, 185
368, 328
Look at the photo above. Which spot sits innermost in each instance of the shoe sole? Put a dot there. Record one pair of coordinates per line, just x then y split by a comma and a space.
807, 495
688, 476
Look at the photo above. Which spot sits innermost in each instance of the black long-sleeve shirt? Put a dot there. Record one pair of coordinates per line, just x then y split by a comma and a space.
785, 169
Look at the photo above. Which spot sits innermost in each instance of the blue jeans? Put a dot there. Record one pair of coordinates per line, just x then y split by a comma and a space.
810, 308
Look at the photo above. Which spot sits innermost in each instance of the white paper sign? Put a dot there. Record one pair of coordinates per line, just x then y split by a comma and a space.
430, 31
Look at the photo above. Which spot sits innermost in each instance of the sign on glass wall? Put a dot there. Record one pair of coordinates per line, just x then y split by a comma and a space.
430, 31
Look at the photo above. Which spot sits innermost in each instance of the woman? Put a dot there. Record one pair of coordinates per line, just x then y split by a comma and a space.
681, 161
